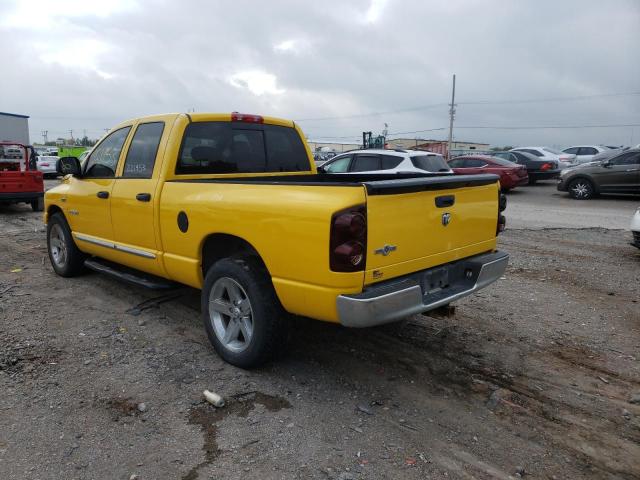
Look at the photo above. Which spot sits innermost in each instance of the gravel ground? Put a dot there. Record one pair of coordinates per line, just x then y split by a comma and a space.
536, 376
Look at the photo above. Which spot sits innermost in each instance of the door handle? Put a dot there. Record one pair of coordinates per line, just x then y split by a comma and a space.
143, 197
103, 194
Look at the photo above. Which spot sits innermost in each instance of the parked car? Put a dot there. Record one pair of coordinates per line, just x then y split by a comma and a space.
230, 204
47, 165
53, 152
635, 229
537, 169
385, 161
547, 153
511, 174
20, 182
619, 174
585, 153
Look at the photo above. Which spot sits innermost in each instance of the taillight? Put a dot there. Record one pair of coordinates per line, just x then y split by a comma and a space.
247, 118
545, 167
502, 220
348, 240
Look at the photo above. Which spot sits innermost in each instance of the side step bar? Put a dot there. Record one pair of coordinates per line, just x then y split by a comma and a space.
129, 275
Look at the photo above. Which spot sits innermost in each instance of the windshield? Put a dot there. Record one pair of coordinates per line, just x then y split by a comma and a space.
430, 163
551, 150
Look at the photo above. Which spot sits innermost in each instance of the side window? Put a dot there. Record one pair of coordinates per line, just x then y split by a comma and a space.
390, 161
574, 151
457, 163
366, 163
103, 160
475, 163
141, 156
631, 158
532, 152
339, 165
587, 151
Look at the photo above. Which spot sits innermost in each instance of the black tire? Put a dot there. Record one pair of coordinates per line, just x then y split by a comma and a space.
581, 189
71, 263
532, 181
37, 204
268, 318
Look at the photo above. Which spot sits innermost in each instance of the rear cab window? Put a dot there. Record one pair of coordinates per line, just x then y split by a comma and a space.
235, 147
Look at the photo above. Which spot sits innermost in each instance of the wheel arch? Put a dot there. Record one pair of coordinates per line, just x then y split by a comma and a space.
53, 209
217, 246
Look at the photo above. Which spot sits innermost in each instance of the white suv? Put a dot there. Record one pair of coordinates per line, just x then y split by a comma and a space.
386, 161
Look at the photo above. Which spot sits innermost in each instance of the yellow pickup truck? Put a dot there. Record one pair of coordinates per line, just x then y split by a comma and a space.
232, 204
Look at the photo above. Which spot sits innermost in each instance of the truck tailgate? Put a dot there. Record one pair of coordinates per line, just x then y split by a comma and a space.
414, 224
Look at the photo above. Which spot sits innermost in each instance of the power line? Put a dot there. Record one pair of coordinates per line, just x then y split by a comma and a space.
550, 127
474, 102
543, 100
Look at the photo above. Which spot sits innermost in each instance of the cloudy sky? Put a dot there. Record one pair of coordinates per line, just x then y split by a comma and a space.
338, 67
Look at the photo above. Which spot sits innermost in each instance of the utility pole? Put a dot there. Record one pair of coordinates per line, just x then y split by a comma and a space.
452, 112
44, 136
71, 133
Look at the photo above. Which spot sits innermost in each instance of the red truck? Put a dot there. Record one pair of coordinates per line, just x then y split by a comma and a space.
20, 181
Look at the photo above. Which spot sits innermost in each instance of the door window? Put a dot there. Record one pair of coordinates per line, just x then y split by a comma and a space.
573, 150
475, 163
366, 163
103, 160
587, 151
631, 158
141, 156
457, 163
532, 152
339, 165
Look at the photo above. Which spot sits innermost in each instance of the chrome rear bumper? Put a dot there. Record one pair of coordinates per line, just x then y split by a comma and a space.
420, 291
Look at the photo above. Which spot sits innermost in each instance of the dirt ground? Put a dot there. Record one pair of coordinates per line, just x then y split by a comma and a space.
537, 376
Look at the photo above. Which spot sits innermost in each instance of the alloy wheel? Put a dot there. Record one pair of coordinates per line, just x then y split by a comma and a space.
230, 314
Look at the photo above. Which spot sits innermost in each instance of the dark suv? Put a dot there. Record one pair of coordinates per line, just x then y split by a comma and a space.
619, 174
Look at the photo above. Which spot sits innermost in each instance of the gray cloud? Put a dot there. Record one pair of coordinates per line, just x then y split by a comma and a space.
75, 68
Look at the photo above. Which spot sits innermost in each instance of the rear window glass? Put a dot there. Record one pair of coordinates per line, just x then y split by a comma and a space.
224, 147
430, 163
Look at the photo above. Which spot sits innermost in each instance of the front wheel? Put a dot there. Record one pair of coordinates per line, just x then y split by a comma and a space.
66, 259
37, 204
581, 189
242, 315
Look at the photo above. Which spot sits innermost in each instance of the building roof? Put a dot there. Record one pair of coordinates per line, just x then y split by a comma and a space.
13, 115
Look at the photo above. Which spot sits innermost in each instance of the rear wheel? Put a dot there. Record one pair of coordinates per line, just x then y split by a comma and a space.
532, 181
37, 204
581, 189
66, 259
242, 315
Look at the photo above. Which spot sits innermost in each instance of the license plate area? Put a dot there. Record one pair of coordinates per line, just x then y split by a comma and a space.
435, 280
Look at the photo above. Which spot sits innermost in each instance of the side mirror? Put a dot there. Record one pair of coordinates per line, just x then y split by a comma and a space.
69, 166
321, 169
606, 163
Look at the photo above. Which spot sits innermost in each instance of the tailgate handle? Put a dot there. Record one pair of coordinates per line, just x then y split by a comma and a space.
445, 201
